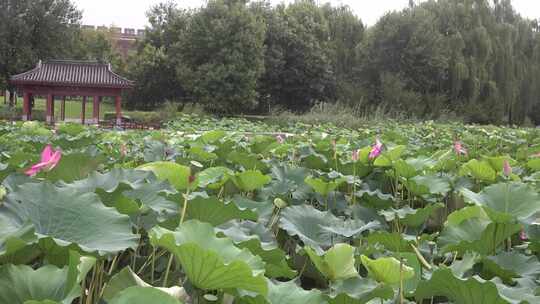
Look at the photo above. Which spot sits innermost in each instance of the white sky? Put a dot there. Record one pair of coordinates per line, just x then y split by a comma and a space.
131, 13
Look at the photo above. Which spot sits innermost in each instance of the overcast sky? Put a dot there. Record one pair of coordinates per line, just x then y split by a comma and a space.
131, 13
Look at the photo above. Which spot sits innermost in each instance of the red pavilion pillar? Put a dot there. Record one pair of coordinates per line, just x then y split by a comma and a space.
26, 106
83, 111
95, 112
118, 103
50, 108
63, 109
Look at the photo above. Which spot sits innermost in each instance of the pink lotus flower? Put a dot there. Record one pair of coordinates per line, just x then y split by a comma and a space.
280, 139
459, 149
49, 160
507, 169
523, 235
376, 149
354, 155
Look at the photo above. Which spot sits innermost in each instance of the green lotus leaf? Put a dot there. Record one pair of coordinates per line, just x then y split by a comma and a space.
504, 202
263, 209
387, 158
290, 180
403, 169
124, 189
250, 180
214, 177
376, 199
388, 270
69, 217
126, 278
428, 184
286, 292
534, 164
523, 291
322, 187
496, 162
463, 291
476, 234
335, 264
72, 129
411, 217
510, 265
392, 241
319, 229
260, 241
209, 262
247, 161
480, 170
212, 136
19, 284
457, 217
75, 166
199, 153
176, 174
464, 266
358, 290
143, 295
312, 159
212, 210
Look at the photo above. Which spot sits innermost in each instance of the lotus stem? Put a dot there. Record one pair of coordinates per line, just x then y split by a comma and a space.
401, 298
169, 264
153, 265
113, 264
354, 185
421, 258
184, 208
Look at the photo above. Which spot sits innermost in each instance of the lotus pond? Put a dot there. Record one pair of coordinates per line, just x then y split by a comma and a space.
235, 212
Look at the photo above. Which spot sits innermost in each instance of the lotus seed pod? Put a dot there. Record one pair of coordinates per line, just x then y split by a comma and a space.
279, 203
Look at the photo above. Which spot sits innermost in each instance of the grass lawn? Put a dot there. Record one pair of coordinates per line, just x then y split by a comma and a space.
73, 107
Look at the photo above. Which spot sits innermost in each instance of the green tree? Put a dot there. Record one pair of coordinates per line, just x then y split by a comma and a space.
34, 29
346, 32
155, 79
298, 65
408, 46
220, 56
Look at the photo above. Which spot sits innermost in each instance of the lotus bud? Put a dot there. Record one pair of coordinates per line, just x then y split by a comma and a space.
507, 169
354, 155
523, 236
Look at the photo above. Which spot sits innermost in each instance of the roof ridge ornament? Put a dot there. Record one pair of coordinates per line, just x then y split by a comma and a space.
39, 63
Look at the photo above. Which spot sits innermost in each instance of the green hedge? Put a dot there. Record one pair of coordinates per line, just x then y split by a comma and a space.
137, 116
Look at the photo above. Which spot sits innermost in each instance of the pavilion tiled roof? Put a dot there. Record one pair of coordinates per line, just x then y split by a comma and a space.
72, 73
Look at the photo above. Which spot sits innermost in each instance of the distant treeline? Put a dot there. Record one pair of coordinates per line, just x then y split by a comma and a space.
476, 59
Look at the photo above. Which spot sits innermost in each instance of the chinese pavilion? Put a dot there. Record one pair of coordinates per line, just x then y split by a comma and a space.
61, 78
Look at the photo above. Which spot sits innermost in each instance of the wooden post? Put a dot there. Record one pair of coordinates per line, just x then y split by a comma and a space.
26, 106
63, 109
53, 119
83, 112
48, 107
118, 103
95, 111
